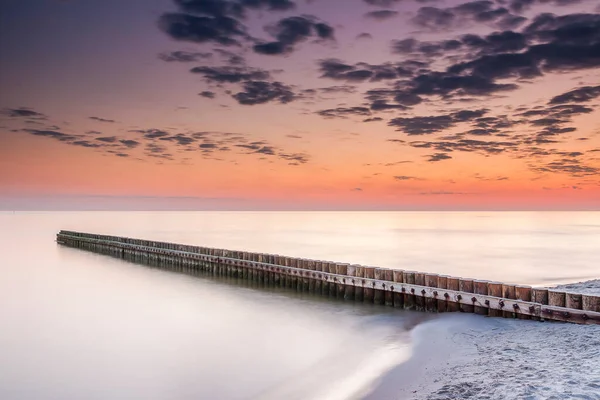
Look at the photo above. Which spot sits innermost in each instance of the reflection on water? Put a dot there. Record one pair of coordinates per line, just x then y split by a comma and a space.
82, 325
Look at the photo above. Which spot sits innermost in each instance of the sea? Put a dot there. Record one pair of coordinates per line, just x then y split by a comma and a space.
79, 325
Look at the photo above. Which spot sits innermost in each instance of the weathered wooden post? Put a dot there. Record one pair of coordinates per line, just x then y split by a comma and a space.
590, 303
442, 303
389, 295
398, 296
409, 295
349, 289
431, 280
509, 292
495, 289
341, 269
368, 291
359, 291
523, 293
453, 284
378, 295
419, 299
466, 285
480, 287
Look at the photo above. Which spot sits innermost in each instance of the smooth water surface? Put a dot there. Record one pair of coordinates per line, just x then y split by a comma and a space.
81, 325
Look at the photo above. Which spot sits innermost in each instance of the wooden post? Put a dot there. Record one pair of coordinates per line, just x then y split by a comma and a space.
318, 281
556, 298
359, 293
388, 294
378, 295
432, 280
333, 289
341, 269
495, 289
523, 293
466, 285
368, 290
442, 303
419, 299
349, 287
398, 296
574, 300
453, 306
509, 292
539, 295
590, 303
480, 287
409, 295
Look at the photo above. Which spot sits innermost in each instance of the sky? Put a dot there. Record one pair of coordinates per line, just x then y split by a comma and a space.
300, 104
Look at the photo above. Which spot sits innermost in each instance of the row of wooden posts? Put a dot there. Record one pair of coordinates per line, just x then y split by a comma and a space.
398, 288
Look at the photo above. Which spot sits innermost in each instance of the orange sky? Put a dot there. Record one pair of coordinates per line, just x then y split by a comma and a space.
302, 142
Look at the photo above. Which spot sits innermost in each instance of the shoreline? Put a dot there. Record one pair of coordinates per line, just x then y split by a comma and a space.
465, 356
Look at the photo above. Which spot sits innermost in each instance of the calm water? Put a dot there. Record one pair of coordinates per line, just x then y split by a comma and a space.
80, 325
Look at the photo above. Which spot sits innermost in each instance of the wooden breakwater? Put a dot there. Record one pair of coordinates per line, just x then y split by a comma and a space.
392, 287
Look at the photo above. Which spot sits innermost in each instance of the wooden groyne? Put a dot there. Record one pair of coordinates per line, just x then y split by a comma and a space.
392, 287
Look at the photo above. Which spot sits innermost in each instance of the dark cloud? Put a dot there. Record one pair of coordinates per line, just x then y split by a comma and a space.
344, 112
60, 136
223, 30
259, 92
152, 133
433, 124
102, 119
404, 178
364, 35
183, 56
230, 57
438, 157
335, 69
272, 5
207, 94
231, 74
338, 89
374, 119
382, 3
381, 15
107, 139
129, 143
579, 95
23, 112
291, 31
479, 11
86, 143
179, 139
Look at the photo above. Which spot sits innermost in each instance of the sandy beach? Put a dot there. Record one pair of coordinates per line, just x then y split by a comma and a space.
464, 356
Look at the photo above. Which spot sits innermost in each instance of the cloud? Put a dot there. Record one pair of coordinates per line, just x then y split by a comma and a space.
578, 95
102, 120
381, 3
335, 69
291, 31
107, 139
344, 112
260, 92
435, 123
60, 136
381, 15
404, 178
23, 112
479, 11
231, 74
438, 157
374, 119
183, 56
130, 143
364, 35
207, 94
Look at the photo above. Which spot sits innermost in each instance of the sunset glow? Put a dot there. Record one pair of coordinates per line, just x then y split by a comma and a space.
280, 104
